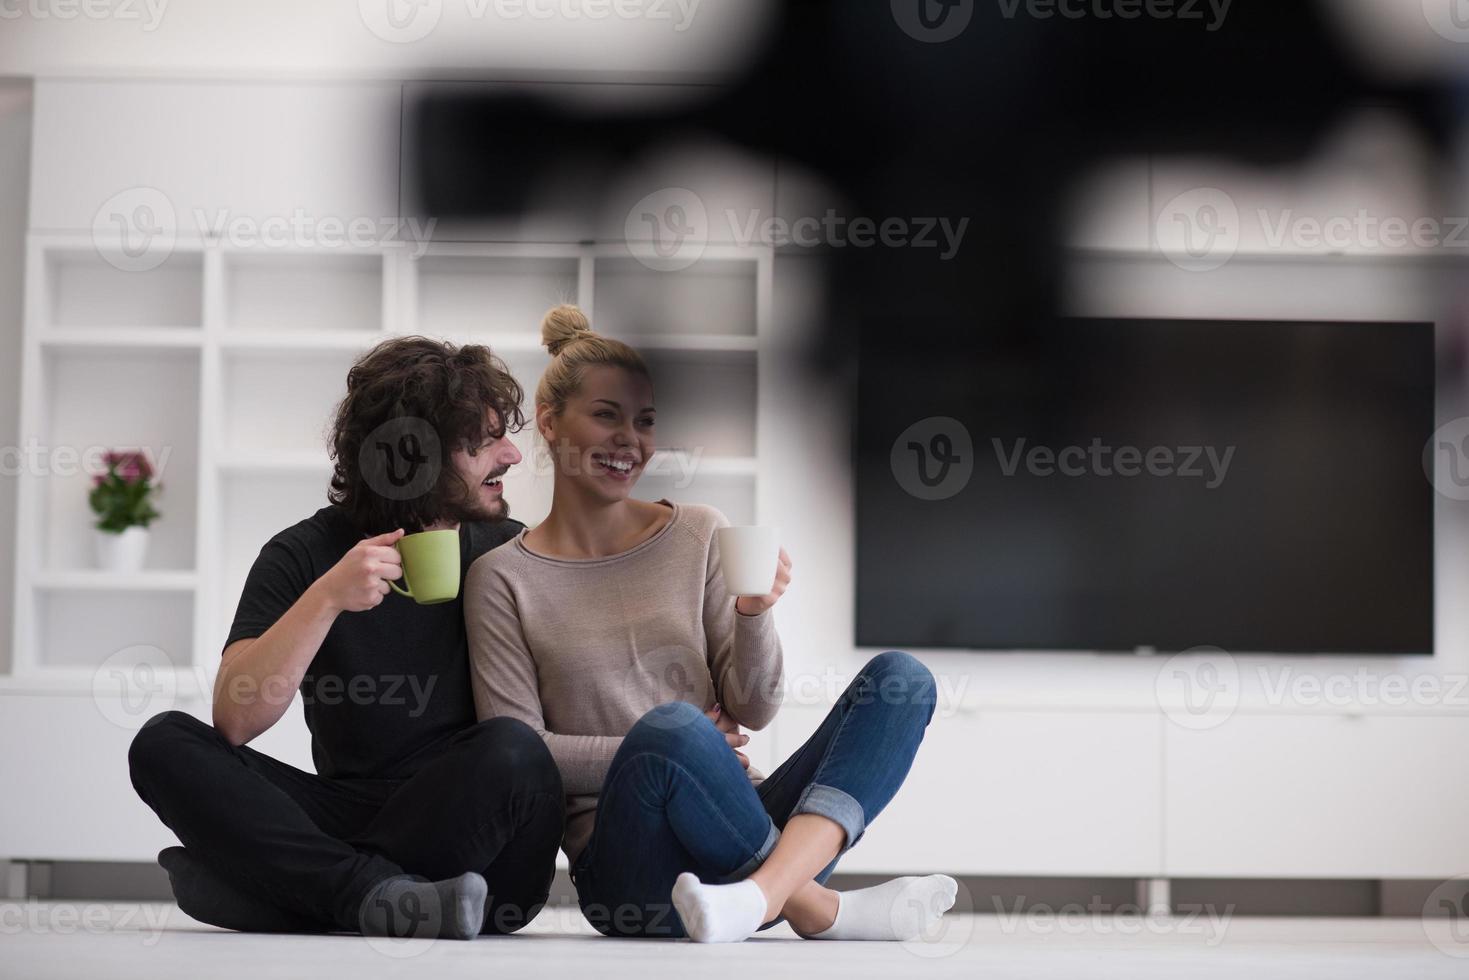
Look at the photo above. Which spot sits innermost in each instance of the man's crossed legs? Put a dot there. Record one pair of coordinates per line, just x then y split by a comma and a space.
268, 847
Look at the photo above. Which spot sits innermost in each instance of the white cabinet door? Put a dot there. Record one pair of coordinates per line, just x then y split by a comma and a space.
318, 155
64, 778
1368, 796
1017, 793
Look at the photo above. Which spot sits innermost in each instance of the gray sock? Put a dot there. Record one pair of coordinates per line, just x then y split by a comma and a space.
404, 907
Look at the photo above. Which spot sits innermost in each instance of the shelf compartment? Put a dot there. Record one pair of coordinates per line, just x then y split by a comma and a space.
83, 628
484, 297
253, 508
705, 403
714, 297
294, 291
280, 401
84, 290
98, 400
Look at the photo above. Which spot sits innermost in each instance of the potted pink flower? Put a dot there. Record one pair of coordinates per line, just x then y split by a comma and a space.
122, 499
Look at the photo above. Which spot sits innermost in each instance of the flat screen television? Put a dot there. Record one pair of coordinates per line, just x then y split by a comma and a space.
1139, 484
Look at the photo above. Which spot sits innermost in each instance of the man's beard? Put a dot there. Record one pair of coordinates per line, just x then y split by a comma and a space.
465, 504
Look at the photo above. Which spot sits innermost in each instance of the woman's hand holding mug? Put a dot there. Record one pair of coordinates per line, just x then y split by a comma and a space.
747, 605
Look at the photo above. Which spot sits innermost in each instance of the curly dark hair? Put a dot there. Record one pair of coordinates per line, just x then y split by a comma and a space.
420, 399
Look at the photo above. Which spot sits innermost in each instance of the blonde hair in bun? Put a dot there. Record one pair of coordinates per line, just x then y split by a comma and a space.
574, 347
562, 325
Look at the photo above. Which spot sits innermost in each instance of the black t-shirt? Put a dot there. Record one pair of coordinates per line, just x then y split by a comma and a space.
388, 686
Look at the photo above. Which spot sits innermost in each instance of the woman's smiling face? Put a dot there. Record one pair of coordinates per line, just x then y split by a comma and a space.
603, 439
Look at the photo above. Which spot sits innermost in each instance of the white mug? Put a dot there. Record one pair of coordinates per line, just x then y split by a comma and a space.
749, 557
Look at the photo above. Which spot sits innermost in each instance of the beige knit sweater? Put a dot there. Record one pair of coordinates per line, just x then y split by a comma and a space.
580, 649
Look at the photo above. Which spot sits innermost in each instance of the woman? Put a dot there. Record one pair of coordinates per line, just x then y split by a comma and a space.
607, 629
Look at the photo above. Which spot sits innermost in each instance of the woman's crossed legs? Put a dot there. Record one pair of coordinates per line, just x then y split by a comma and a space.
684, 844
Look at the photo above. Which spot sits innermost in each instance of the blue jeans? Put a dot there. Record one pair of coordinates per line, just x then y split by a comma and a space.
676, 799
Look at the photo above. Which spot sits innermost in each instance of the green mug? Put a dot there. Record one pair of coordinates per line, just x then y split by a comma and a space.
430, 566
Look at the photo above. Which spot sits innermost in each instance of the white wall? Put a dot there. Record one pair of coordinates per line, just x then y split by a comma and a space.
353, 38
15, 170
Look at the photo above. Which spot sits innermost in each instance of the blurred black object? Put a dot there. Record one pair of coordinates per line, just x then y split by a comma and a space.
993, 125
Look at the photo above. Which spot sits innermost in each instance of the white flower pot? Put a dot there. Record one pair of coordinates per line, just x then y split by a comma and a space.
122, 552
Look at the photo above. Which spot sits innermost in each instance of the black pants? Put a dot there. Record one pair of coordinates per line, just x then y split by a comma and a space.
490, 802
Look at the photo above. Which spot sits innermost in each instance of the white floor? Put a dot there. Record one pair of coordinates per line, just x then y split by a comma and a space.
158, 942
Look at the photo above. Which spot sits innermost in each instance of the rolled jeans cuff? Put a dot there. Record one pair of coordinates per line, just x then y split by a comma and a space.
835, 805
744, 871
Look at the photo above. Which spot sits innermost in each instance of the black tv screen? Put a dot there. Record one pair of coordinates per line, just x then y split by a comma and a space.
1126, 484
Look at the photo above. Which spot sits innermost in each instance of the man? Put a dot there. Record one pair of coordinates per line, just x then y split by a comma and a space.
419, 821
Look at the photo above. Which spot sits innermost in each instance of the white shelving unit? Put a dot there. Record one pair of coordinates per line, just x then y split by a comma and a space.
225, 363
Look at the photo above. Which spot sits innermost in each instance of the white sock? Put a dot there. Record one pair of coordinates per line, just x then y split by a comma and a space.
895, 911
718, 913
